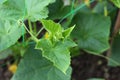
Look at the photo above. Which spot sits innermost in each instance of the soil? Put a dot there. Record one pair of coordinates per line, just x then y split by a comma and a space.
87, 66
84, 66
5, 74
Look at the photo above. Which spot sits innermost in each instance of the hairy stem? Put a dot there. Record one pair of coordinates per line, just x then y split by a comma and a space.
30, 26
34, 38
39, 31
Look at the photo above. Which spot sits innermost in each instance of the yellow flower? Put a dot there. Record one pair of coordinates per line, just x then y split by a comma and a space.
87, 2
46, 35
12, 68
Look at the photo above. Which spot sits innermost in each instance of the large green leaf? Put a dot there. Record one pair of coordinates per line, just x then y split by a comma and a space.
100, 7
24, 9
115, 55
96, 79
57, 10
2, 1
12, 10
4, 54
10, 32
91, 32
35, 67
58, 53
116, 2
36, 9
57, 7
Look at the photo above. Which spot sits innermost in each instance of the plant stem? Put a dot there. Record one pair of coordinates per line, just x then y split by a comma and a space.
34, 38
117, 24
107, 58
23, 36
35, 28
115, 31
30, 26
74, 11
39, 31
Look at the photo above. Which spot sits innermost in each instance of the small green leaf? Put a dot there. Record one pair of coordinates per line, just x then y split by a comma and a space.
54, 29
116, 2
67, 32
115, 55
58, 54
35, 67
91, 32
10, 32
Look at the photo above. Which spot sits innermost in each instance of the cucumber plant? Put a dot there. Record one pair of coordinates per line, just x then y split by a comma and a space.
48, 57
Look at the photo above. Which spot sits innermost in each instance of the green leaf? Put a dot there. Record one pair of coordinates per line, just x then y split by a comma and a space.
36, 9
4, 54
12, 10
57, 10
116, 2
57, 5
58, 54
67, 32
91, 32
25, 9
96, 79
99, 7
10, 32
35, 67
56, 48
115, 55
54, 29
2, 1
